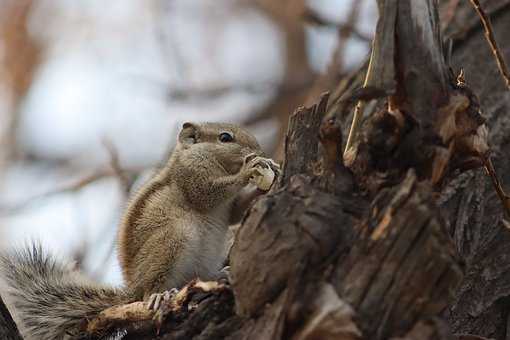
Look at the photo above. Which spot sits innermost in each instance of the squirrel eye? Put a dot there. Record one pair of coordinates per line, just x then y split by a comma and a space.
225, 137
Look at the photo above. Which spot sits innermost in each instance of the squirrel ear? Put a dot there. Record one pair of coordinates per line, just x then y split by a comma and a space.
188, 134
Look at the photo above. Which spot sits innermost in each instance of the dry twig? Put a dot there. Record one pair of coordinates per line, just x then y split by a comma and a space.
505, 199
356, 118
503, 69
489, 34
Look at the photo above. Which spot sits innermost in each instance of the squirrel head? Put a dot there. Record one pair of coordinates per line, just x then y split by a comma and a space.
229, 144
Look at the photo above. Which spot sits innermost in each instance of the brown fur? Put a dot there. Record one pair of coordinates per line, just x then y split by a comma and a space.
174, 229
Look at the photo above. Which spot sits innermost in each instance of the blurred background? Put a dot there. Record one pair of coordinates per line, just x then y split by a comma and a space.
93, 93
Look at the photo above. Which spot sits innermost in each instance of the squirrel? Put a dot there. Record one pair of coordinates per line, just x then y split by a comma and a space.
173, 230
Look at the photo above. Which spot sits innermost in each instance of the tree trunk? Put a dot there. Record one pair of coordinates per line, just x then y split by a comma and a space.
8, 329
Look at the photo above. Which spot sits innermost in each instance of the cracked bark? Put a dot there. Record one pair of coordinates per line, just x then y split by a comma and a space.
8, 329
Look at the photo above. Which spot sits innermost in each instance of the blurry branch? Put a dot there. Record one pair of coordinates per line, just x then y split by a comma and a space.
18, 61
20, 55
121, 175
335, 72
73, 187
170, 48
489, 35
448, 13
167, 44
70, 188
287, 15
299, 76
125, 177
344, 33
313, 18
212, 92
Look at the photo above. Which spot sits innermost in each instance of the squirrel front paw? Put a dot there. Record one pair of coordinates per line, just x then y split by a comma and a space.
250, 168
260, 171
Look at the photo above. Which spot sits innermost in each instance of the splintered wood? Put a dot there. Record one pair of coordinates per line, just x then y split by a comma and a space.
119, 315
430, 121
138, 315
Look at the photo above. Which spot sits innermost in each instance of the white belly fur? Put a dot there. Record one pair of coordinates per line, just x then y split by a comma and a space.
205, 252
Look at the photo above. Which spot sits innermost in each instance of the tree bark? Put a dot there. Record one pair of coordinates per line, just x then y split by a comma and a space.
8, 329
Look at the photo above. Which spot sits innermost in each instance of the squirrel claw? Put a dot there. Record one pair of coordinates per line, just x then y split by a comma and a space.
253, 160
223, 275
249, 157
154, 301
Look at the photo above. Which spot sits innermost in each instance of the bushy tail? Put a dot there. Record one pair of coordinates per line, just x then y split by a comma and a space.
50, 300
